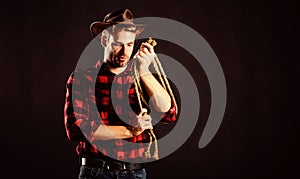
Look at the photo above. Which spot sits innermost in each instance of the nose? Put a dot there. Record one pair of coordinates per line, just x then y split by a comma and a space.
122, 50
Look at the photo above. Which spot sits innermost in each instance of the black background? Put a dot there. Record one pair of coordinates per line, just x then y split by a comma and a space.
255, 41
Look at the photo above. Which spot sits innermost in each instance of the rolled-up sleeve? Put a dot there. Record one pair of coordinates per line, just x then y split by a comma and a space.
173, 113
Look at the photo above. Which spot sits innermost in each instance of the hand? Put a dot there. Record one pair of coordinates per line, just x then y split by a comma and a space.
145, 56
143, 123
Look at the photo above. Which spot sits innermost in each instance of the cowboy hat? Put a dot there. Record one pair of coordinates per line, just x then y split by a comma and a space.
122, 16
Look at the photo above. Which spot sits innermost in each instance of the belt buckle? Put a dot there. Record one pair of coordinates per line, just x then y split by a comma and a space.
124, 167
83, 161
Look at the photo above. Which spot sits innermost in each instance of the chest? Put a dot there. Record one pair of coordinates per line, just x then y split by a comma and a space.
118, 87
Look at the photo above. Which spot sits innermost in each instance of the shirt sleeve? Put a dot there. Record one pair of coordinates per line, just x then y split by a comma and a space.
77, 112
173, 113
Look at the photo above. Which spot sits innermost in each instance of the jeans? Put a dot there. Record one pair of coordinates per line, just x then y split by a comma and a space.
97, 173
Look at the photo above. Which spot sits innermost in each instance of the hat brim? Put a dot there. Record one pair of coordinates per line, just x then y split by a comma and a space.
97, 27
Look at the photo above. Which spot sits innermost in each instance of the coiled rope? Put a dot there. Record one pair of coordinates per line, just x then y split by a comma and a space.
140, 95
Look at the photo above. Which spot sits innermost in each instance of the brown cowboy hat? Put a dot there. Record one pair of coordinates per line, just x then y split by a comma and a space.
122, 16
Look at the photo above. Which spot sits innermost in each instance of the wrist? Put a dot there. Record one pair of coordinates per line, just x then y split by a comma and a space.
144, 71
133, 131
129, 130
127, 133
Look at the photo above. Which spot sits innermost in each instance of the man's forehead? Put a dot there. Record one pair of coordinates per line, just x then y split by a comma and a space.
124, 35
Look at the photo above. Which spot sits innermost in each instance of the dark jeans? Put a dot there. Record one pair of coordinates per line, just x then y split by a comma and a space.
96, 173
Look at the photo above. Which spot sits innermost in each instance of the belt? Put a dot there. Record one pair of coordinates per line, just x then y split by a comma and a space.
110, 165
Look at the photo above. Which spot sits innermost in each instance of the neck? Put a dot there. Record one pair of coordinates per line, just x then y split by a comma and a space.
116, 70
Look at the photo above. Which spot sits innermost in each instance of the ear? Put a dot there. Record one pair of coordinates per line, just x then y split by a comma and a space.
104, 38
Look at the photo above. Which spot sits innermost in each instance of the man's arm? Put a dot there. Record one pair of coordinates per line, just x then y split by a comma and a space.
106, 132
159, 97
76, 112
80, 124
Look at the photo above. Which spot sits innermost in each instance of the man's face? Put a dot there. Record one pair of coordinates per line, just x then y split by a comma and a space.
120, 46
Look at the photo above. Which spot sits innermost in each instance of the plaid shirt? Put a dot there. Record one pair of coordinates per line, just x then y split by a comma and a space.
97, 96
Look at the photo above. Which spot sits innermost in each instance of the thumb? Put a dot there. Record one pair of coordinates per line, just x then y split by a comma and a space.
143, 112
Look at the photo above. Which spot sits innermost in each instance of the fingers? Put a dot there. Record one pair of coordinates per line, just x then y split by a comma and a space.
147, 48
142, 54
146, 125
145, 118
145, 53
144, 50
145, 122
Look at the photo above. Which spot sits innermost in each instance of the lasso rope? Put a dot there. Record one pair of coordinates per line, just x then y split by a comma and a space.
140, 95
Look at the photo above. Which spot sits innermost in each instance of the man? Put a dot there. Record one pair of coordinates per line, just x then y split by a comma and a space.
103, 109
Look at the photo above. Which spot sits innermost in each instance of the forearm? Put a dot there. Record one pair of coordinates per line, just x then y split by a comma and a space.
106, 132
158, 95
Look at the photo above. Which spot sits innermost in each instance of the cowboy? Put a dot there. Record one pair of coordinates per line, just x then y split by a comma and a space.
107, 109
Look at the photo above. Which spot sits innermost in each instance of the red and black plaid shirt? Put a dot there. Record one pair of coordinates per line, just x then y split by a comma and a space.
96, 96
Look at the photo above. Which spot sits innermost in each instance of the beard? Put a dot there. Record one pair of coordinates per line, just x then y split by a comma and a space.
117, 60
